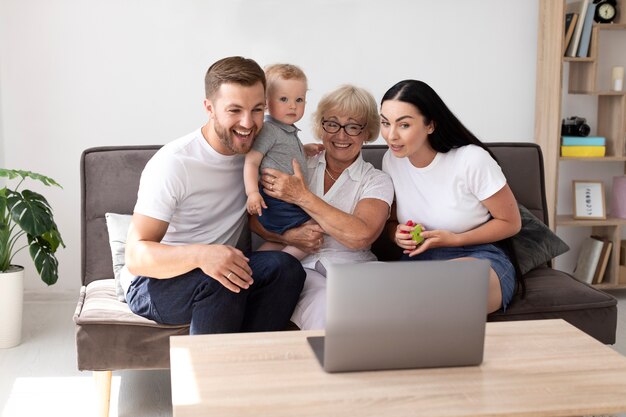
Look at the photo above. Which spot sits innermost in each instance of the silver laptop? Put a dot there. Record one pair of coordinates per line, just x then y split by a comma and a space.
414, 314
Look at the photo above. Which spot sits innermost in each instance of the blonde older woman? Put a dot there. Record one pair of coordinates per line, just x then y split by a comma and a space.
348, 198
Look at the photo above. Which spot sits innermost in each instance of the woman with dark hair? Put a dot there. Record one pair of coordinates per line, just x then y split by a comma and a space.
446, 181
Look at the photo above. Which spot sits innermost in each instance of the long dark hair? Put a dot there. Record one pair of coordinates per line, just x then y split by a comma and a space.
449, 132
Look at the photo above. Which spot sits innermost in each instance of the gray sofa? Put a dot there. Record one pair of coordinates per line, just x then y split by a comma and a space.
110, 337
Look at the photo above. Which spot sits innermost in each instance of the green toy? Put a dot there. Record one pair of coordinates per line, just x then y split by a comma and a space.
416, 233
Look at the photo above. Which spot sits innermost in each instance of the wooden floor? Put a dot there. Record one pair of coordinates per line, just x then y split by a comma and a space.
39, 377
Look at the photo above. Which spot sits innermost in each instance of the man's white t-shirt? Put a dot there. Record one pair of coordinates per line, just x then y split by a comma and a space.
197, 190
446, 194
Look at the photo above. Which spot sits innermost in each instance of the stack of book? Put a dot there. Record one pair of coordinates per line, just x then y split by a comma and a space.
583, 146
593, 260
578, 24
622, 262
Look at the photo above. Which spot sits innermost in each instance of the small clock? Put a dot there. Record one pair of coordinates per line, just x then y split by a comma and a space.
606, 11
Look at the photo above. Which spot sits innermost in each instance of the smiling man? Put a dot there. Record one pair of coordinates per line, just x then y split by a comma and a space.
182, 263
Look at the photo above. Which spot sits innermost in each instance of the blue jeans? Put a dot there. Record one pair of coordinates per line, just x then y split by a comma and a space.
499, 261
209, 307
280, 216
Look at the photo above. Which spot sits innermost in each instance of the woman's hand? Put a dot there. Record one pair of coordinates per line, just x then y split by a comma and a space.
434, 239
308, 238
356, 230
312, 149
289, 188
404, 239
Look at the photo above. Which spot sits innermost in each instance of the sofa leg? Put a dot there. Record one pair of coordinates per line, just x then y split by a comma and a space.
102, 380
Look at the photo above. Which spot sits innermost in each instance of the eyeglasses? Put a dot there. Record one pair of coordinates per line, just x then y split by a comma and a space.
351, 129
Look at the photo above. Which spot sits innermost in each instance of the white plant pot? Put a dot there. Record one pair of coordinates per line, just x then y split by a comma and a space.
11, 300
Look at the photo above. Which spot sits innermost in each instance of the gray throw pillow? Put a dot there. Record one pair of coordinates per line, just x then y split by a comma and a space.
535, 244
117, 226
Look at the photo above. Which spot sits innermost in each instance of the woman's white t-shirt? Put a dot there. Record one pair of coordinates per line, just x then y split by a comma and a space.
446, 194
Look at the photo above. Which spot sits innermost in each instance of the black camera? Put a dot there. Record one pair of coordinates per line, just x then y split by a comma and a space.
575, 126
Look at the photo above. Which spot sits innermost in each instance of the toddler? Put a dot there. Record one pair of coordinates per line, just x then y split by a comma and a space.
275, 147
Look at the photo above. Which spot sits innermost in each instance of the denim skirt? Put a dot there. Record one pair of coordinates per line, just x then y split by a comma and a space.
499, 261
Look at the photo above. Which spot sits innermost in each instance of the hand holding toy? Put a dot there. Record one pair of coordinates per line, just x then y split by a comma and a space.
416, 233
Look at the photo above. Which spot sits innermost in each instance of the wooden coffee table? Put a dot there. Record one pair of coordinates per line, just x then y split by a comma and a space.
530, 368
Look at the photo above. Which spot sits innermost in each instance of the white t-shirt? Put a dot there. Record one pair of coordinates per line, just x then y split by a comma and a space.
197, 190
359, 181
446, 194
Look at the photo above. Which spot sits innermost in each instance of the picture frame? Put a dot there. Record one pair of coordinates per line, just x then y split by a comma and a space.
589, 200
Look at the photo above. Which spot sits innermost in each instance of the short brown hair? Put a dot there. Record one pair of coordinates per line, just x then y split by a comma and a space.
349, 100
234, 69
277, 72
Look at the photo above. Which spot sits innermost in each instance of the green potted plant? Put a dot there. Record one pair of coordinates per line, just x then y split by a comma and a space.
26, 221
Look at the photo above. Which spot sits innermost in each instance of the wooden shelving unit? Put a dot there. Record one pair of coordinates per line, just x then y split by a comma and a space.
611, 121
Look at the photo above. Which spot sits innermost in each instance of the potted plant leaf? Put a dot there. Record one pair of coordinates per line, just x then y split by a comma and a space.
26, 221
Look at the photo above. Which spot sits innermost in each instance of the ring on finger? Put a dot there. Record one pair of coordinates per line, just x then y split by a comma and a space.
229, 274
272, 187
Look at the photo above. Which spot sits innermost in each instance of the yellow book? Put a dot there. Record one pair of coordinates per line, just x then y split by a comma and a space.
589, 151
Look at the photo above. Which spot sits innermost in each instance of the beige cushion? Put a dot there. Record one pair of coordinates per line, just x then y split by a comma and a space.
98, 304
109, 336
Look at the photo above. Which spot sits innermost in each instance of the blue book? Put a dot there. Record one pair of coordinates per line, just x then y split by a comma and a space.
583, 140
585, 37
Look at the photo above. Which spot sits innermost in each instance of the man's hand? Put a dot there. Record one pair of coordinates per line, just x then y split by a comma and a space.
227, 265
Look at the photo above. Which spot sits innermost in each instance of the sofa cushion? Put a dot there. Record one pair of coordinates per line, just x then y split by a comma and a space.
535, 244
98, 304
109, 336
552, 294
117, 227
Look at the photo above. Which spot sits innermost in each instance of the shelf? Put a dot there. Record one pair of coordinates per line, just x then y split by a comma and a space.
568, 220
578, 59
609, 286
583, 78
593, 159
610, 26
600, 93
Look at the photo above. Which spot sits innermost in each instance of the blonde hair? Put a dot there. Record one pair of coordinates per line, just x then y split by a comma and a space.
353, 101
276, 72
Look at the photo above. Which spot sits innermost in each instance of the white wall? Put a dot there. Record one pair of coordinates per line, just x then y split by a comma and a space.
79, 73
2, 152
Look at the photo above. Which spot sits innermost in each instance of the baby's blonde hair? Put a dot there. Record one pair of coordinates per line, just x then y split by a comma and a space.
277, 72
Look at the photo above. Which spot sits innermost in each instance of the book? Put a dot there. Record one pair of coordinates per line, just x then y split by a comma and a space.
579, 7
588, 259
570, 24
583, 141
583, 151
585, 35
598, 277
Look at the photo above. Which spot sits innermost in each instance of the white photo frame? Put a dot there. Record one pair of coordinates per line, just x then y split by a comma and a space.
589, 200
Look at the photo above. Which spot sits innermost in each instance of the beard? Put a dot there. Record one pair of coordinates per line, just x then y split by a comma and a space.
227, 139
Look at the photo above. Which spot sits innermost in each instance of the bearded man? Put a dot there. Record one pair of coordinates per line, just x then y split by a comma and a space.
181, 260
